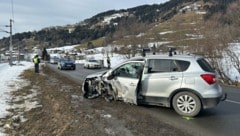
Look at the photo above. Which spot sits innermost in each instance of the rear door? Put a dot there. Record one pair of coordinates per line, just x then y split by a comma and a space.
160, 79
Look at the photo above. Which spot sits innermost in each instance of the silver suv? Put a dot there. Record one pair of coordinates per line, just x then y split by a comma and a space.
186, 83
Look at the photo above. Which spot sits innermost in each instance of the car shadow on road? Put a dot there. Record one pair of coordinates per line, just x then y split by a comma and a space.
223, 109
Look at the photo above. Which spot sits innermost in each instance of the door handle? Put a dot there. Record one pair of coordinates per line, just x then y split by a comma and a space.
173, 78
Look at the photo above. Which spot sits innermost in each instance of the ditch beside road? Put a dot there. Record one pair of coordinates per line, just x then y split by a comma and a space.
64, 111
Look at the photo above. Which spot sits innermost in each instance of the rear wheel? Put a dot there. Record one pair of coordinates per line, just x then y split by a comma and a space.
186, 104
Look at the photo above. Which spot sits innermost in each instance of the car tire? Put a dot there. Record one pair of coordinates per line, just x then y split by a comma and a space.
186, 104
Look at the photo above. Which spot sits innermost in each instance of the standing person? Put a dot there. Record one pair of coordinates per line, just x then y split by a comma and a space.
108, 62
36, 62
44, 55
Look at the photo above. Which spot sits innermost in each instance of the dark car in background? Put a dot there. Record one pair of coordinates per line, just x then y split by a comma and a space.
66, 63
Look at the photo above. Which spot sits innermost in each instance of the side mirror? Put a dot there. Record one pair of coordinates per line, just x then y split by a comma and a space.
149, 69
111, 76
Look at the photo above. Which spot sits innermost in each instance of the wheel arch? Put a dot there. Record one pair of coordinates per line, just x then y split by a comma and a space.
185, 90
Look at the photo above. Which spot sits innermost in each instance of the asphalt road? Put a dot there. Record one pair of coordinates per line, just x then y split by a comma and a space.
224, 120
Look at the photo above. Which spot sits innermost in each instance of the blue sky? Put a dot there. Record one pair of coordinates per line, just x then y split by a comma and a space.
30, 15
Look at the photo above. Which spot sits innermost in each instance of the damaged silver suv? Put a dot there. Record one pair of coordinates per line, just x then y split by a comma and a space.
186, 83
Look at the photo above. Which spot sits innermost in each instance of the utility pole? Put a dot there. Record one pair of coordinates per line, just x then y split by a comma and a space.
10, 47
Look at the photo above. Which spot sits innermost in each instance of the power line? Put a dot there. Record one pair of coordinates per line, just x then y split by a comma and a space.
2, 30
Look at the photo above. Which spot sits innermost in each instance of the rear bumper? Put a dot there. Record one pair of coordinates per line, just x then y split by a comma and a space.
95, 66
213, 102
68, 67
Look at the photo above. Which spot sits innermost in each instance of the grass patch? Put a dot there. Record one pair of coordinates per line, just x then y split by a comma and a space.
96, 43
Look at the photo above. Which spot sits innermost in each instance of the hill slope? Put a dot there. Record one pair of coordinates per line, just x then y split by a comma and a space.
177, 22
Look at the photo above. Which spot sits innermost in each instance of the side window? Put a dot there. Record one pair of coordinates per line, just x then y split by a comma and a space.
129, 70
174, 67
183, 65
205, 65
165, 65
159, 65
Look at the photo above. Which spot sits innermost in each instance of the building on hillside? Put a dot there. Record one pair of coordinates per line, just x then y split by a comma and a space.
193, 7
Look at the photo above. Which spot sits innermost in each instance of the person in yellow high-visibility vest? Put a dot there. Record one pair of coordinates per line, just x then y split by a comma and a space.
36, 62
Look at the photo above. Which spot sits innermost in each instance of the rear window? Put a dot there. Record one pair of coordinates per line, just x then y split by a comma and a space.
205, 65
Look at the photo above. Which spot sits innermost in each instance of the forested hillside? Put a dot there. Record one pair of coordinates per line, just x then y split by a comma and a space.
123, 22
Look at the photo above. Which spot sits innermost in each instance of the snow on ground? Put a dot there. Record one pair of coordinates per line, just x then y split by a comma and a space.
140, 35
64, 48
167, 32
9, 74
158, 44
10, 79
115, 59
228, 64
111, 17
193, 36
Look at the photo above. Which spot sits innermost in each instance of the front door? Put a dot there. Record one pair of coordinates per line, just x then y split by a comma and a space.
126, 81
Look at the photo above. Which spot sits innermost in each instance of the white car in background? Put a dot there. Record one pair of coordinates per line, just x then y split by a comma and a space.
92, 63
54, 59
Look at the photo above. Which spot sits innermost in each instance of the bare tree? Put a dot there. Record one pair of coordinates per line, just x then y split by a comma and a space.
216, 47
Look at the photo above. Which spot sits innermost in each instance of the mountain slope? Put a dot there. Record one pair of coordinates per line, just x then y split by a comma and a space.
138, 25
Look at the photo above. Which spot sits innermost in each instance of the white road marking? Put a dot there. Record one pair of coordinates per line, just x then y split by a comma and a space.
232, 101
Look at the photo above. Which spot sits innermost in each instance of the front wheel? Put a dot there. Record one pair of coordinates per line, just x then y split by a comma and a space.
186, 104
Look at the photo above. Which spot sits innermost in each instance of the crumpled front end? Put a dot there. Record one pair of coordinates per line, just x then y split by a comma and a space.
96, 86
102, 85
90, 88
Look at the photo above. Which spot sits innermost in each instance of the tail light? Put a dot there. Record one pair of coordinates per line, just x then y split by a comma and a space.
209, 78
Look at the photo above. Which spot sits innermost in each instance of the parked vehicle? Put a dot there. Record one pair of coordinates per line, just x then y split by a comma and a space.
92, 63
54, 59
66, 63
186, 83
